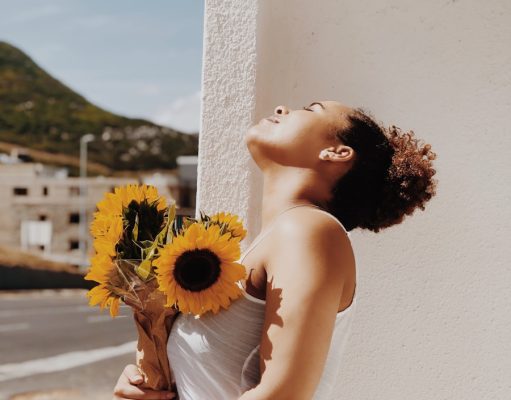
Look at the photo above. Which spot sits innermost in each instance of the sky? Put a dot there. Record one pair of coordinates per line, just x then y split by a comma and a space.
132, 57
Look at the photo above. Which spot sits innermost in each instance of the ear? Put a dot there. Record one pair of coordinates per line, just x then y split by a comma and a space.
340, 153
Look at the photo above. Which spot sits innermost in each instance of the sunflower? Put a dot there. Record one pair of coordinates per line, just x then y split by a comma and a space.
127, 220
231, 222
197, 271
115, 203
101, 295
104, 272
108, 236
101, 223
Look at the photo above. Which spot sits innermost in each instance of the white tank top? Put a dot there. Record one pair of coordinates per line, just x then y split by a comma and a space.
216, 356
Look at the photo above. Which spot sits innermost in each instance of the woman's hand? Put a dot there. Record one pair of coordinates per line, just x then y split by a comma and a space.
127, 387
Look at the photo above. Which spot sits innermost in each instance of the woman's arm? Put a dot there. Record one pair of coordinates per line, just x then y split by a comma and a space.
306, 269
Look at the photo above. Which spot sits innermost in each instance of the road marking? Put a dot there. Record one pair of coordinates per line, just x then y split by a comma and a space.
102, 318
63, 361
45, 311
14, 327
52, 310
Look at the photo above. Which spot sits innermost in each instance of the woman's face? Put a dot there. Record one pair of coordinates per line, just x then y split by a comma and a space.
297, 137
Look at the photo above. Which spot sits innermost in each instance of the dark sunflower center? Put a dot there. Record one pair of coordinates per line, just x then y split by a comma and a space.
197, 270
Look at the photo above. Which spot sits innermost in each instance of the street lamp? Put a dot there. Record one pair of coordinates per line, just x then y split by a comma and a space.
84, 140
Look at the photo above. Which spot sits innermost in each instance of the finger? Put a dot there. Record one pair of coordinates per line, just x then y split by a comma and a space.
145, 398
137, 393
133, 374
172, 396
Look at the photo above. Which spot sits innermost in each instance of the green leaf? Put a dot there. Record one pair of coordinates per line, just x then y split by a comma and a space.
144, 269
134, 232
170, 220
150, 247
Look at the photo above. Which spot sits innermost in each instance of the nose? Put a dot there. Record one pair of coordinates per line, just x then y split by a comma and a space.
281, 110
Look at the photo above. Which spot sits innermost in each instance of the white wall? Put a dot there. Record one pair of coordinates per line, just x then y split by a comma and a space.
434, 297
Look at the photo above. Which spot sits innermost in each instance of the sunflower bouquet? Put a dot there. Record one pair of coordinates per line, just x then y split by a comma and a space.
161, 268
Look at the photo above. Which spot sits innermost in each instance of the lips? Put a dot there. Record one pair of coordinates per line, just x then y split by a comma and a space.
273, 119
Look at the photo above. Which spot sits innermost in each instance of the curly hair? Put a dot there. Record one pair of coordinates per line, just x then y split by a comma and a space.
390, 177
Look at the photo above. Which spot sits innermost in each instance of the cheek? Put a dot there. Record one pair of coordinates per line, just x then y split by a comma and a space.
302, 136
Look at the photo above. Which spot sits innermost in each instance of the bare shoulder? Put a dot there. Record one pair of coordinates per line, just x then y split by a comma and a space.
308, 231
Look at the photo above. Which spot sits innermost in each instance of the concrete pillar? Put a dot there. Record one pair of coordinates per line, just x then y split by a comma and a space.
227, 176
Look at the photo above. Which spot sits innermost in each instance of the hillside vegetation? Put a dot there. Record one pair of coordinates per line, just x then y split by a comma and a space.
41, 113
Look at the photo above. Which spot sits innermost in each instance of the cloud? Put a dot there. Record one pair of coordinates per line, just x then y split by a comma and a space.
148, 89
182, 114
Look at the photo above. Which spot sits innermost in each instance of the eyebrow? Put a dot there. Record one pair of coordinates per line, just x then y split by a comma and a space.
316, 102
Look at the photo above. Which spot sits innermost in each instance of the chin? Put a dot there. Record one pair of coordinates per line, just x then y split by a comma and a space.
253, 133
253, 145
254, 128
250, 141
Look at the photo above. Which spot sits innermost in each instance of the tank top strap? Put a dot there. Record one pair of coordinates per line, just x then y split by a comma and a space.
336, 219
255, 243
263, 234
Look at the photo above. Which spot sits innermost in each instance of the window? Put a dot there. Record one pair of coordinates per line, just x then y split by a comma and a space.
74, 190
74, 244
45, 190
20, 191
74, 218
185, 192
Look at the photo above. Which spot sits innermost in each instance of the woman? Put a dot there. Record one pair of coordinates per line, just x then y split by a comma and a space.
285, 337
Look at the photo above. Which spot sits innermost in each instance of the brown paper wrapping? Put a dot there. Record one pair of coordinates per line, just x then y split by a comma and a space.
153, 322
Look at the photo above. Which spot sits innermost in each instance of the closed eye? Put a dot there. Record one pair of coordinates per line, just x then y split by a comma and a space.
307, 108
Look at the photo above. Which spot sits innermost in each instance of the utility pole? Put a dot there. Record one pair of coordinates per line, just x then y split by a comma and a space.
84, 140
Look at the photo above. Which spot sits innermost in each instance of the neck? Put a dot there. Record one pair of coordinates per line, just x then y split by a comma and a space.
287, 188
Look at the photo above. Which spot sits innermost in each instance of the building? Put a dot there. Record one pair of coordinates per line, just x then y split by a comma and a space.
187, 183
42, 210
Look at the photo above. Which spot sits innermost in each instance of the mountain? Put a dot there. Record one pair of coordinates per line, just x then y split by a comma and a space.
41, 113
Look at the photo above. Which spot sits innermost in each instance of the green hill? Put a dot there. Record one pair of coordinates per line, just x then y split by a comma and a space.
41, 113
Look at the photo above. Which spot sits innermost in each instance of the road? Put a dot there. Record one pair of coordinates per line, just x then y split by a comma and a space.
54, 346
